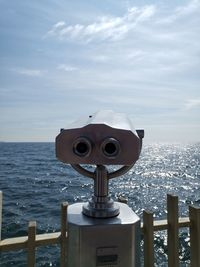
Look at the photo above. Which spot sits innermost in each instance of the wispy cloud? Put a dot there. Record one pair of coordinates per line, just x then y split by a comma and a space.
148, 51
141, 60
67, 68
192, 103
105, 28
56, 27
191, 8
29, 72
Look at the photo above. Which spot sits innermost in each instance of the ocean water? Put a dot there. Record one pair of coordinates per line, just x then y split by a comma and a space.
35, 183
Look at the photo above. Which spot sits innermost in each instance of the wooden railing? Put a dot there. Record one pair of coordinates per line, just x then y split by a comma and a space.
148, 227
172, 225
32, 240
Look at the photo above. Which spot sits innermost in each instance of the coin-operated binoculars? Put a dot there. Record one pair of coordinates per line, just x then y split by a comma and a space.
101, 232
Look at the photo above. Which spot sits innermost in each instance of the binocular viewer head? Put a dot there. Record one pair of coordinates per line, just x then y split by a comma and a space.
104, 138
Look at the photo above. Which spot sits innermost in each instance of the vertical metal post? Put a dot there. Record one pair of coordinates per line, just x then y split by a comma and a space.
63, 245
148, 239
101, 182
1, 205
31, 243
101, 205
172, 231
194, 214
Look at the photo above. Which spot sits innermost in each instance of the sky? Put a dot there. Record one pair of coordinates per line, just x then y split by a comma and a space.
60, 60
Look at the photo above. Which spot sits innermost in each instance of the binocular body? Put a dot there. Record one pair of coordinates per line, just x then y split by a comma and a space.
104, 138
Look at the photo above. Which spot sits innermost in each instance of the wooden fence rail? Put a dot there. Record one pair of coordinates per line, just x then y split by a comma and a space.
148, 227
1, 204
32, 241
172, 225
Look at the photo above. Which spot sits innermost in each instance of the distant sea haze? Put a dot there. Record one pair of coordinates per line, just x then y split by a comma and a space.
34, 183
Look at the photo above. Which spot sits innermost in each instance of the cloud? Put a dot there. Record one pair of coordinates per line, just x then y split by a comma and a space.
55, 28
191, 8
29, 72
192, 103
150, 54
67, 68
105, 28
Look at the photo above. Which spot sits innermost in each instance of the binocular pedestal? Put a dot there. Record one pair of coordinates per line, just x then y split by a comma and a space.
101, 232
109, 242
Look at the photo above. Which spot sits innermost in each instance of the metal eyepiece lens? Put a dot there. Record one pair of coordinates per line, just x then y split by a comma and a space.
82, 147
110, 147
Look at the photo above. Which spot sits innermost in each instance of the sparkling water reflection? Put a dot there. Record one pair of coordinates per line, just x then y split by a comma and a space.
34, 184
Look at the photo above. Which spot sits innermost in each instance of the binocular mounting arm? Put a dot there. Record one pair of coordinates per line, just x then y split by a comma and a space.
101, 205
110, 175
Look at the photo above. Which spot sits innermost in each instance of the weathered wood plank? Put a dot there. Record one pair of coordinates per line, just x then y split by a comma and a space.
194, 213
17, 243
14, 243
47, 239
160, 225
148, 239
184, 222
1, 204
172, 231
31, 244
63, 236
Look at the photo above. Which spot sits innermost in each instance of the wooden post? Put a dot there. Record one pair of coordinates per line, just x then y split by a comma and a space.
31, 243
194, 214
172, 231
63, 244
148, 239
1, 204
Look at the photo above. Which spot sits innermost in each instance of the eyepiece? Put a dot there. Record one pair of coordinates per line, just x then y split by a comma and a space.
110, 147
82, 147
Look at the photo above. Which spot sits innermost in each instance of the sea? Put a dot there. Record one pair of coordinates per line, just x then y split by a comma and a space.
34, 184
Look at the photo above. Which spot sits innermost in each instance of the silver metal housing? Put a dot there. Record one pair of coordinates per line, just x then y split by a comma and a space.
109, 138
107, 242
